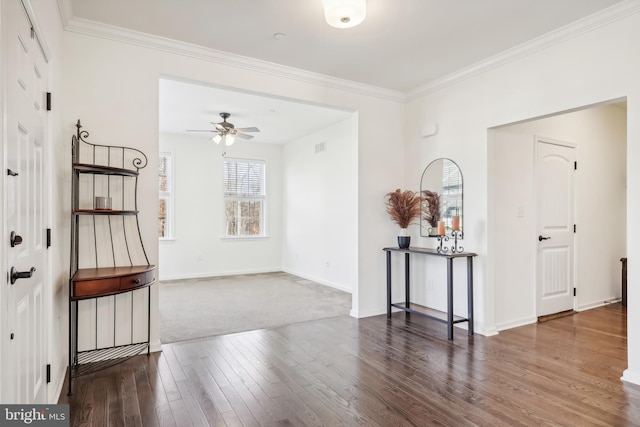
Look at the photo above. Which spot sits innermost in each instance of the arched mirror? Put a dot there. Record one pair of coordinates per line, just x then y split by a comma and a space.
441, 188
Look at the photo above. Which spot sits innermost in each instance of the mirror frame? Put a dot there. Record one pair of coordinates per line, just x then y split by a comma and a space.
424, 225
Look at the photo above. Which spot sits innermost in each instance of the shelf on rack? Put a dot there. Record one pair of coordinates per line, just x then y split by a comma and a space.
103, 170
95, 360
103, 212
99, 282
431, 313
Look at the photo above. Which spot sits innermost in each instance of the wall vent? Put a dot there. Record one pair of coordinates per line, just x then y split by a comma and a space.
320, 147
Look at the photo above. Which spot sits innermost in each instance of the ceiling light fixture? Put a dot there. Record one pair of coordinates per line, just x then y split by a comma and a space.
226, 131
344, 13
227, 137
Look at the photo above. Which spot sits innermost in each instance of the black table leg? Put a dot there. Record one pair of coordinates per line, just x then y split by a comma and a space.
388, 283
470, 294
407, 287
450, 298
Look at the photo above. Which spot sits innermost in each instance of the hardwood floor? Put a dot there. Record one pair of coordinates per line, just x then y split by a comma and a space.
374, 372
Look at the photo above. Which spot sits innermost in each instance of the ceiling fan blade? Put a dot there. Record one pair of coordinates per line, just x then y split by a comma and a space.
201, 130
243, 136
251, 129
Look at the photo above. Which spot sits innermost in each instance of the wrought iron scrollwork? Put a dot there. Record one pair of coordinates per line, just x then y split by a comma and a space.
138, 162
441, 248
456, 234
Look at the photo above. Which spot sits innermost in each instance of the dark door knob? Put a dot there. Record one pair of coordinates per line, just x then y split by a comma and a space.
540, 238
15, 239
15, 274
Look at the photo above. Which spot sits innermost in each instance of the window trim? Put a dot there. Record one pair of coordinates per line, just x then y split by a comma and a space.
169, 196
263, 198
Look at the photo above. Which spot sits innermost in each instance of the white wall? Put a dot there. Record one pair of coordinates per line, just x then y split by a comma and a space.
112, 87
600, 136
115, 93
320, 206
198, 247
590, 68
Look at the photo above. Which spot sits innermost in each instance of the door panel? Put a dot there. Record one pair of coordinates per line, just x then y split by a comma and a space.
24, 372
555, 256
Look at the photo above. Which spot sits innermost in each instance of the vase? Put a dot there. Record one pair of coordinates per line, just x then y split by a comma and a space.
404, 239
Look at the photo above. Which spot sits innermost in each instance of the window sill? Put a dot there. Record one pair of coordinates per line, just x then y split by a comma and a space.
244, 237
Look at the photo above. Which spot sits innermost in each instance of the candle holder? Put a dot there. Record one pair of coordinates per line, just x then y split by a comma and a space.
441, 239
455, 248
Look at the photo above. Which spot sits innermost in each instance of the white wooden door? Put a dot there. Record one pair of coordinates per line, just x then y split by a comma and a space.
25, 366
555, 173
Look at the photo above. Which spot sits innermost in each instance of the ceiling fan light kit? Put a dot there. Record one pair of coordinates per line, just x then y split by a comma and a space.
226, 131
344, 13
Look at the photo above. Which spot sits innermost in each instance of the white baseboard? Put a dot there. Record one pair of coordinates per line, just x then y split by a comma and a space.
631, 377
516, 323
155, 346
215, 274
370, 313
318, 280
597, 304
485, 332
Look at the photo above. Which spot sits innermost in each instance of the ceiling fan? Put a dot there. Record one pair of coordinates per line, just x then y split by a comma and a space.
226, 131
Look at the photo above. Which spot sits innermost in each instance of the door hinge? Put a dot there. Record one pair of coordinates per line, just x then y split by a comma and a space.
574, 292
575, 166
49, 238
574, 228
48, 373
48, 101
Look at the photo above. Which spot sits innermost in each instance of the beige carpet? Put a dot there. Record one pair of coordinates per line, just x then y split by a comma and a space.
221, 305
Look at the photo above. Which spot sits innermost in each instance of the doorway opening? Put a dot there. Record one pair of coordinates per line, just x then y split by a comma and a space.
598, 133
299, 243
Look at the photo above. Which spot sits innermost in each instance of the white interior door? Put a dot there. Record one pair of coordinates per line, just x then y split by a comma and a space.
27, 77
555, 173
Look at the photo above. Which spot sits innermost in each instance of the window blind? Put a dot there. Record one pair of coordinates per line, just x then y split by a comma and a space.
244, 178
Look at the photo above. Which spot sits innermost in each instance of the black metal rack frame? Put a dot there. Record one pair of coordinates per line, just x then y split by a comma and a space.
108, 167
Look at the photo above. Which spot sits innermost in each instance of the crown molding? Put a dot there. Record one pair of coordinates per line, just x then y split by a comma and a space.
66, 11
110, 32
552, 38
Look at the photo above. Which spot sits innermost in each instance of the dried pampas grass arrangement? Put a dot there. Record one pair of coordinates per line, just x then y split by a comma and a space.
403, 207
432, 207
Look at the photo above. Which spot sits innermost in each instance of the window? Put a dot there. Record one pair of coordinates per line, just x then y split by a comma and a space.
244, 197
165, 195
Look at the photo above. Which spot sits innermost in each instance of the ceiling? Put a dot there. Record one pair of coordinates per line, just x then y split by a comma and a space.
401, 45
186, 105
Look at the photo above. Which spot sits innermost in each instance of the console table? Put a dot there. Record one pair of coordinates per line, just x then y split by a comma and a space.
409, 307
